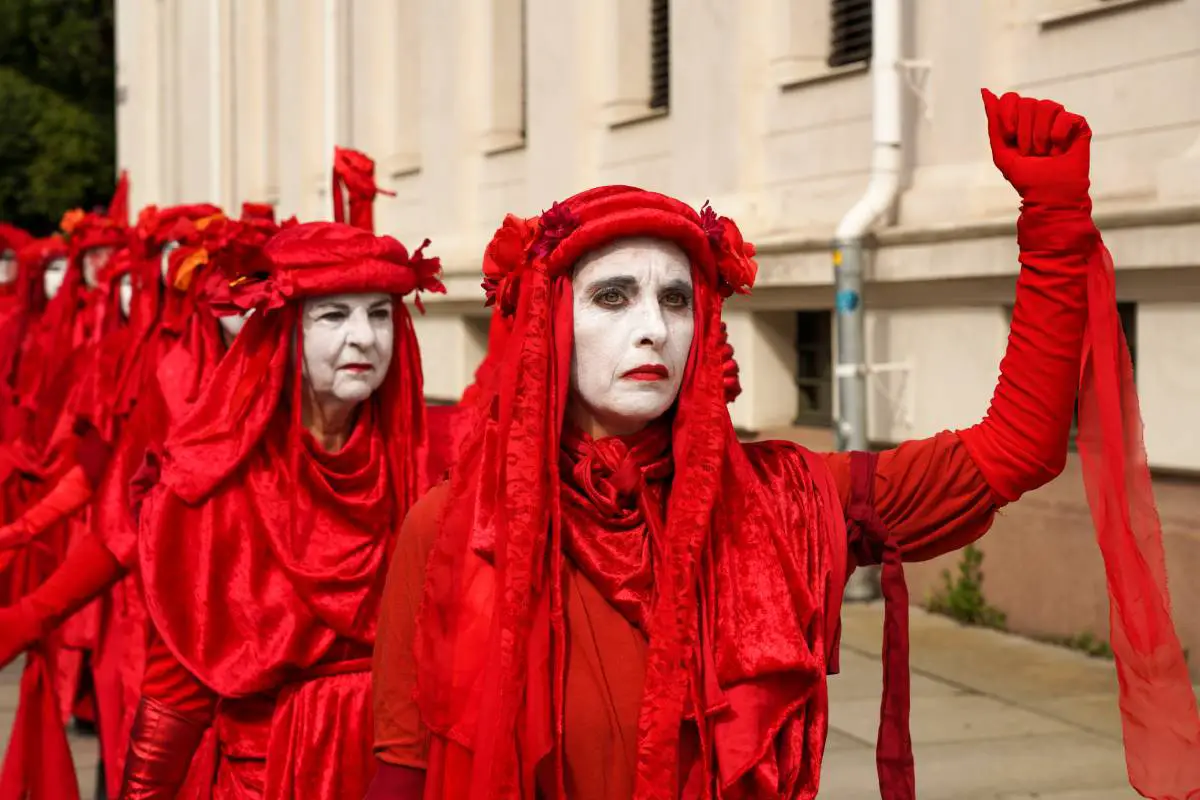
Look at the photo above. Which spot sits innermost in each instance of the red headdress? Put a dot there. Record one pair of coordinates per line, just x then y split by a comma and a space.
15, 335
750, 654
13, 238
354, 174
301, 519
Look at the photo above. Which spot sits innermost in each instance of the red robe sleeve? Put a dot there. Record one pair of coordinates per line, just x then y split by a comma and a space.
171, 684
929, 495
400, 738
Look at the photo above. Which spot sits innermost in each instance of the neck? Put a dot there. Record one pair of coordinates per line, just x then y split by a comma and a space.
598, 428
330, 423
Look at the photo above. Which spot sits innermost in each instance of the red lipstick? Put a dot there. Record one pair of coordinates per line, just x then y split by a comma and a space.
647, 372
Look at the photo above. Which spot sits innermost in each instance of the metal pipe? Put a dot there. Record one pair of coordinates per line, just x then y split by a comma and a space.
849, 254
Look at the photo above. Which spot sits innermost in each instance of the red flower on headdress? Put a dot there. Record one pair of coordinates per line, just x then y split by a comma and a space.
428, 272
71, 220
736, 268
556, 225
147, 223
505, 257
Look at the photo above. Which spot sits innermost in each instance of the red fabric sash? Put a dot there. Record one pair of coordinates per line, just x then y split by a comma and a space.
1158, 708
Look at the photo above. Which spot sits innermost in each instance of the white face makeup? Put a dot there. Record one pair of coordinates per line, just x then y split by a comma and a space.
233, 324
165, 259
52, 278
94, 261
633, 332
347, 346
125, 294
8, 267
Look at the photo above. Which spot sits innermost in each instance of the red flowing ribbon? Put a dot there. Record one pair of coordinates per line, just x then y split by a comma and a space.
1158, 708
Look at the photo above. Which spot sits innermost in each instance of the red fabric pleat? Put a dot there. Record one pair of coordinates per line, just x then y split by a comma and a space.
38, 763
1158, 708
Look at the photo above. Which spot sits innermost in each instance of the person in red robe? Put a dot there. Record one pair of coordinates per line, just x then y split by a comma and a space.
28, 302
612, 597
263, 547
99, 567
17, 304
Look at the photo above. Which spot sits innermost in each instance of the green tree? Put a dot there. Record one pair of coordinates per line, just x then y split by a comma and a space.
57, 109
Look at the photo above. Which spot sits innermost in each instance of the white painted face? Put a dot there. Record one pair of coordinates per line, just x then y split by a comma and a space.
8, 267
233, 324
53, 277
164, 260
633, 331
94, 260
347, 345
125, 294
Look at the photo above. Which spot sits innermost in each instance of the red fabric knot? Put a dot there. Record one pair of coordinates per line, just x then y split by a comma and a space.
736, 267
869, 543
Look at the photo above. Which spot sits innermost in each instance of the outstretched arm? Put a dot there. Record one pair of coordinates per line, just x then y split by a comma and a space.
88, 570
939, 494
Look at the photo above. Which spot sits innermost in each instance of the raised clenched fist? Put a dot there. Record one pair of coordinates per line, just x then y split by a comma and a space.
1042, 149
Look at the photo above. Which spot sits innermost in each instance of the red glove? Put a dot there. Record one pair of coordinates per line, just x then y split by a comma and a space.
733, 386
161, 747
71, 493
394, 782
88, 570
1044, 152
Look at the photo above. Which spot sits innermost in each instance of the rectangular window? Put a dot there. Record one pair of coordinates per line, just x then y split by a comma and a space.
850, 32
660, 55
814, 367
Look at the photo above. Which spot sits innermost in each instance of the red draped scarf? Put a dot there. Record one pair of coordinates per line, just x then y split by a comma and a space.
285, 543
748, 532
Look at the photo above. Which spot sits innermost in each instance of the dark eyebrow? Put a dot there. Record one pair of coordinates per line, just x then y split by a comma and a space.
683, 287
329, 305
626, 282
381, 303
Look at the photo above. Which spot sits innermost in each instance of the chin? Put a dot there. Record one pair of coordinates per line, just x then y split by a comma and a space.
355, 391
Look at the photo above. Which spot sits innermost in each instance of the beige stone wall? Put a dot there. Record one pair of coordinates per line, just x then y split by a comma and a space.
231, 101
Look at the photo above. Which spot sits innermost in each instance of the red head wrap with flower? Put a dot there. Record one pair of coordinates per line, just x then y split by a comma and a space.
262, 503
491, 641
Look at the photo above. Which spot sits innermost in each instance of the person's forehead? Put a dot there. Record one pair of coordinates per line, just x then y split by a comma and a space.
635, 257
367, 299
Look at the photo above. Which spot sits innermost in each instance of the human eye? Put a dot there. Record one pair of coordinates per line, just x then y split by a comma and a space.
609, 298
675, 299
381, 314
332, 315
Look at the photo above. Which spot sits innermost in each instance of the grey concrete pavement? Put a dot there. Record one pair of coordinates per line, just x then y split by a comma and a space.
994, 717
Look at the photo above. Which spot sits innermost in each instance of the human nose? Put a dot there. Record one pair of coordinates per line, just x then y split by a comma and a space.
359, 331
651, 327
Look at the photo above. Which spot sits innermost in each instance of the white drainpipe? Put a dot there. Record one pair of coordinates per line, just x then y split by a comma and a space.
849, 252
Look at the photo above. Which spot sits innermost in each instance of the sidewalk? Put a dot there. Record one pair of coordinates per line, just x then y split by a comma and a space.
994, 717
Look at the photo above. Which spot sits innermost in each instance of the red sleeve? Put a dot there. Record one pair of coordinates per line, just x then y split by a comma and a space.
170, 684
400, 738
928, 493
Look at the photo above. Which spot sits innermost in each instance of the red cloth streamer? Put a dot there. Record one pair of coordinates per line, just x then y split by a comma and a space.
870, 544
38, 763
354, 174
1158, 708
